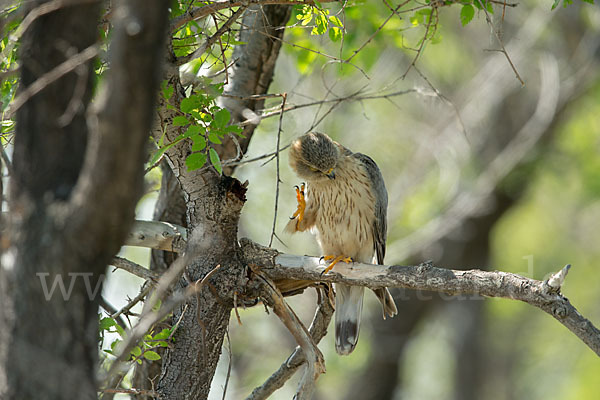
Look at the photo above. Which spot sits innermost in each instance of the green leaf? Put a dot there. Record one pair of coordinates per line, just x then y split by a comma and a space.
106, 323
555, 4
151, 355
180, 120
199, 143
335, 33
336, 21
234, 129
215, 160
321, 25
190, 103
158, 154
192, 130
466, 14
164, 334
221, 118
120, 330
195, 161
167, 91
212, 136
136, 351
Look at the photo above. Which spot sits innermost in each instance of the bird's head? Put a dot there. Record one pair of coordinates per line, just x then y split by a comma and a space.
314, 157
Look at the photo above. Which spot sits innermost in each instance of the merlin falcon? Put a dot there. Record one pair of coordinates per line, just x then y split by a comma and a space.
345, 204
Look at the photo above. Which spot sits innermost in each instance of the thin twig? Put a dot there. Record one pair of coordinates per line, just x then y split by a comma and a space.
228, 364
420, 49
133, 268
143, 292
213, 39
500, 42
284, 98
394, 11
111, 311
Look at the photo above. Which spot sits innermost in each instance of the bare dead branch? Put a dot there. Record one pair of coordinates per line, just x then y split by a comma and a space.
133, 268
157, 235
143, 293
141, 392
427, 277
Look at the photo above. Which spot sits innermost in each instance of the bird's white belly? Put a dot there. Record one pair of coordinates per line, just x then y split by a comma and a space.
345, 216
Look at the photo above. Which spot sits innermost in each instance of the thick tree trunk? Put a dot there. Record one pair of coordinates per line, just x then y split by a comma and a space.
213, 207
73, 195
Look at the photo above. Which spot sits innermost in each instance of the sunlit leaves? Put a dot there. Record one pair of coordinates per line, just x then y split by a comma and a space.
322, 21
145, 349
205, 123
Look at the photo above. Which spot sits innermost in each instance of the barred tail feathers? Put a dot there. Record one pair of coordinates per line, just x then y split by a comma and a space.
348, 309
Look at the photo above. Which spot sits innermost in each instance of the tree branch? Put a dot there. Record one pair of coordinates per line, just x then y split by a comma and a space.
157, 235
541, 294
315, 364
317, 330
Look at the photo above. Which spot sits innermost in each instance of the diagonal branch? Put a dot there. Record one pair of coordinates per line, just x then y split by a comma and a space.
315, 363
317, 330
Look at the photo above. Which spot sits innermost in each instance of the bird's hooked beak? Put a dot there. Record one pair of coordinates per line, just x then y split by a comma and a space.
331, 174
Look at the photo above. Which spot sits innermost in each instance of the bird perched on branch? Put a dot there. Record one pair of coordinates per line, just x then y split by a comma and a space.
346, 201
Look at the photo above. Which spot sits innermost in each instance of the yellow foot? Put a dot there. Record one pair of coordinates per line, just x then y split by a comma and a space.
301, 204
335, 261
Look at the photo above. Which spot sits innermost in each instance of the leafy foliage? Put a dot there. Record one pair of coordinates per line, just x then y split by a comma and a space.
205, 124
153, 340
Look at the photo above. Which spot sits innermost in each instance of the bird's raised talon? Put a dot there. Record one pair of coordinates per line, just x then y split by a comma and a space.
301, 203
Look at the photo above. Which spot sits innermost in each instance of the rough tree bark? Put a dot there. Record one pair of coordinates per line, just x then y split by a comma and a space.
213, 205
77, 178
